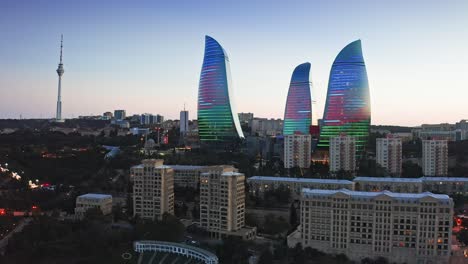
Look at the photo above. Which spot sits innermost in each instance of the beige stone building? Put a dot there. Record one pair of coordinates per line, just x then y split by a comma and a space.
377, 184
402, 227
153, 189
92, 200
260, 184
189, 175
222, 203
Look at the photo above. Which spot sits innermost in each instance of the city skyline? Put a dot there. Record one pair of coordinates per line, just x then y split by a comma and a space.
121, 56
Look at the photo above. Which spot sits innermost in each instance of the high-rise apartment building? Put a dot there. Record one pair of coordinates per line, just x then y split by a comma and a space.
343, 154
222, 203
389, 154
145, 119
297, 151
153, 189
184, 122
435, 157
120, 114
218, 122
347, 108
298, 111
402, 227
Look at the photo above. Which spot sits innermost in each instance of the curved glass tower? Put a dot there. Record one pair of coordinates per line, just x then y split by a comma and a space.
347, 108
297, 114
217, 117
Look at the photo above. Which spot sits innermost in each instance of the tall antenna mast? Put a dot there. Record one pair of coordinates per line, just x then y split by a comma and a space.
60, 71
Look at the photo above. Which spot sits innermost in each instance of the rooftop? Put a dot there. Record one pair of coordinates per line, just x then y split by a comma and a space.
388, 179
400, 196
95, 196
449, 179
299, 180
186, 167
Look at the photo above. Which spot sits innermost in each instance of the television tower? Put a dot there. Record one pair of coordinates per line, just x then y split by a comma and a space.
60, 72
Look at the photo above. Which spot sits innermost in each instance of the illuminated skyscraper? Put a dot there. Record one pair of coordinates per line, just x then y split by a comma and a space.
217, 118
347, 108
297, 114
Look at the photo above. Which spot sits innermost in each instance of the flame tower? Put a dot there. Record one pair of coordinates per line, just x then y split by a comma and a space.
297, 114
218, 123
347, 109
60, 71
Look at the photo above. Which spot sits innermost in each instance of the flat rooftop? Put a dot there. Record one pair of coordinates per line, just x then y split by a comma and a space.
404, 196
388, 179
95, 196
298, 180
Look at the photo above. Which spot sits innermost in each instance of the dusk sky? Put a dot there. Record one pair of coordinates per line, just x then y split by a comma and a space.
146, 56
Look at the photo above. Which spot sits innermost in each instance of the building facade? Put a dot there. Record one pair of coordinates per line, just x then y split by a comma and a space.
260, 184
347, 108
92, 200
189, 175
343, 154
184, 122
222, 204
153, 189
298, 114
389, 155
445, 185
378, 184
218, 122
119, 114
297, 151
402, 227
435, 157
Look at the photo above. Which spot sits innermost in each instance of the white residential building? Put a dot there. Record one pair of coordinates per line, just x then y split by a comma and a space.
435, 157
389, 154
402, 227
297, 150
153, 189
343, 154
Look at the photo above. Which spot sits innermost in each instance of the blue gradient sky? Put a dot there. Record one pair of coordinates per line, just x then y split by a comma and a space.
146, 56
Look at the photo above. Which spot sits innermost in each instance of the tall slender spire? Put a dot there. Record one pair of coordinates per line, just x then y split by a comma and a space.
61, 48
60, 72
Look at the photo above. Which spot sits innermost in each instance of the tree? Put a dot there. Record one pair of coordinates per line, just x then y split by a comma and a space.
293, 219
462, 236
196, 212
265, 257
411, 170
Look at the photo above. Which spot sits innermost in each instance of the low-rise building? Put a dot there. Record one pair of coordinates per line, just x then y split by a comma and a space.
402, 227
260, 184
92, 200
377, 184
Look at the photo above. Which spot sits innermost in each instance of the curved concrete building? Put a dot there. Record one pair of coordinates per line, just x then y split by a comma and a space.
347, 108
297, 114
217, 117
